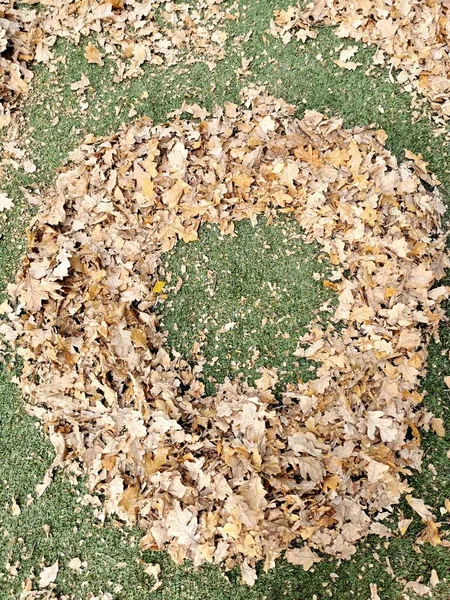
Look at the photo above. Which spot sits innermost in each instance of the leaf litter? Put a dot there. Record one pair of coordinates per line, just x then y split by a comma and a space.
238, 476
413, 37
130, 32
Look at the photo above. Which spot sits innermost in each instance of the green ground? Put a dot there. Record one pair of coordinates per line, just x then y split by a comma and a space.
246, 299
112, 560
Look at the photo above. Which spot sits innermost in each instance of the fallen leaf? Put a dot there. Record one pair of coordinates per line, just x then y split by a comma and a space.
93, 56
5, 202
302, 556
48, 575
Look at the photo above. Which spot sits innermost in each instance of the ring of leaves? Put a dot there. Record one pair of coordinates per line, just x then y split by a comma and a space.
235, 477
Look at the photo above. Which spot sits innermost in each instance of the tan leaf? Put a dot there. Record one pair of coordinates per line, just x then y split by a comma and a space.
438, 426
248, 573
182, 525
128, 501
419, 506
302, 556
243, 180
92, 54
154, 570
385, 426
434, 579
74, 564
48, 575
376, 471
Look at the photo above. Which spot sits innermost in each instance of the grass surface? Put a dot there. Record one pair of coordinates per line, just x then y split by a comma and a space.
246, 299
60, 524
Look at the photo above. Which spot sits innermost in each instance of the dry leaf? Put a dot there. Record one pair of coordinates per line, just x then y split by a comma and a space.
48, 575
74, 564
419, 506
5, 202
182, 524
248, 573
93, 56
154, 570
434, 579
400, 30
303, 556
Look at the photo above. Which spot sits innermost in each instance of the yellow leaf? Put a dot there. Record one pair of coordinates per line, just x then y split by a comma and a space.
148, 188
403, 525
331, 483
430, 535
172, 196
232, 529
138, 336
158, 287
151, 167
153, 465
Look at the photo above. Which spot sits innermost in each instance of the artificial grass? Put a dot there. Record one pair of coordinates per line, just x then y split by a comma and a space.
305, 76
247, 299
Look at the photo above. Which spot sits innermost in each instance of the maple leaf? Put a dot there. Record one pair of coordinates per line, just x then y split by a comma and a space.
182, 525
348, 53
63, 266
376, 471
302, 556
243, 180
33, 294
385, 426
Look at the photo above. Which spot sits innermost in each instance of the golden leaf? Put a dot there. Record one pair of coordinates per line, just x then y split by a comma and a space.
92, 54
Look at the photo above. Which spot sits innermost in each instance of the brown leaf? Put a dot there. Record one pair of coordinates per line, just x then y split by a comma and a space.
93, 56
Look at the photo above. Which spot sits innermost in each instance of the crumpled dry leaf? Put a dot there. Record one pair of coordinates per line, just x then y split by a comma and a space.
154, 570
5, 202
418, 588
237, 476
48, 575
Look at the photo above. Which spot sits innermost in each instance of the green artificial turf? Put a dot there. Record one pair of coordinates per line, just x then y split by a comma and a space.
246, 299
57, 120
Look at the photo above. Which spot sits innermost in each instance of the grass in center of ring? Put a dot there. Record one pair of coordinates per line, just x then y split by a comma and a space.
242, 302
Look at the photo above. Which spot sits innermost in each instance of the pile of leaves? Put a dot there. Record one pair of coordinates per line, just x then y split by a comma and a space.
412, 37
241, 475
16, 51
134, 32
